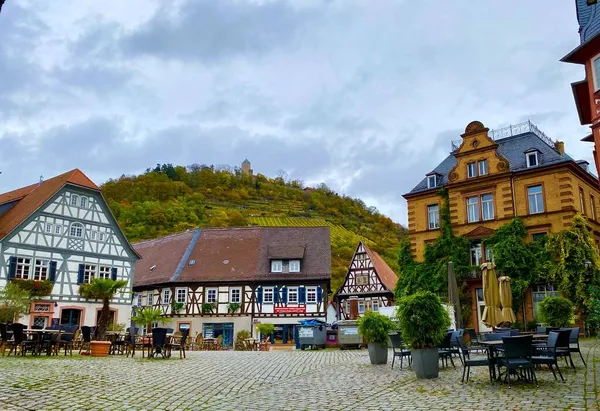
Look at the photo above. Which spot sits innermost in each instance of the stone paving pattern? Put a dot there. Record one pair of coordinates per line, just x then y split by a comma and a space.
291, 380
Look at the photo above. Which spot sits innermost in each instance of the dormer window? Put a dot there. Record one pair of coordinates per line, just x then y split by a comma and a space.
432, 181
276, 266
294, 266
532, 158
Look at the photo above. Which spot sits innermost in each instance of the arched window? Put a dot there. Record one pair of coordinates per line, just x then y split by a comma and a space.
74, 199
76, 230
84, 202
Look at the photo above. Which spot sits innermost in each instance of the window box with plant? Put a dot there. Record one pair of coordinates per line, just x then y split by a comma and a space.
176, 308
36, 288
424, 324
209, 308
375, 329
233, 307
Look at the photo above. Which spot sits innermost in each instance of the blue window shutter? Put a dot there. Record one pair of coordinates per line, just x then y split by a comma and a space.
80, 274
302, 295
52, 276
276, 294
113, 274
284, 298
319, 294
12, 267
259, 295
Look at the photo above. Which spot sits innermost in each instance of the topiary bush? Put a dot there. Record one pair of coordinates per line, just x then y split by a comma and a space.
240, 338
375, 328
556, 311
423, 320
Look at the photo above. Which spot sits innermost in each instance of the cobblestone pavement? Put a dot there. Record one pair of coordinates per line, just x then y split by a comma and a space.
292, 380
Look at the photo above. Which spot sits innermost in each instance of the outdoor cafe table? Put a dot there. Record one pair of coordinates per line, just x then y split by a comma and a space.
41, 333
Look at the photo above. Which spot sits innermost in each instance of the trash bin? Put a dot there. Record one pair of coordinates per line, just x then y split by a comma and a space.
312, 333
348, 336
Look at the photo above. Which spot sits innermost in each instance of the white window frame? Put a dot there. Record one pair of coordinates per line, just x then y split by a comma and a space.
276, 266
101, 236
57, 229
433, 216
74, 200
23, 268
473, 217
89, 272
292, 291
595, 78
487, 205
178, 294
238, 290
208, 295
150, 299
432, 181
361, 304
79, 230
271, 293
310, 293
535, 195
471, 170
139, 299
482, 167
93, 235
294, 266
166, 296
528, 156
104, 272
49, 228
83, 202
375, 305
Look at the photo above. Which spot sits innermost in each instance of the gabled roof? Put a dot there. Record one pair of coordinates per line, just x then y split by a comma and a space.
32, 197
387, 276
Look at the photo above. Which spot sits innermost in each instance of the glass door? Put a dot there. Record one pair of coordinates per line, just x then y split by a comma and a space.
70, 316
480, 309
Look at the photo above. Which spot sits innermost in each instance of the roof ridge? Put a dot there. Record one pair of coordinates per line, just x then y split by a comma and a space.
149, 240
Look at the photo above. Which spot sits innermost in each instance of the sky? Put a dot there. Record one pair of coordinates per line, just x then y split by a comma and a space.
365, 96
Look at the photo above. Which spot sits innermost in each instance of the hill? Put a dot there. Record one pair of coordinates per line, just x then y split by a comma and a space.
170, 199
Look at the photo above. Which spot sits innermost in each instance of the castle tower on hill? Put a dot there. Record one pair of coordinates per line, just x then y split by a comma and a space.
247, 168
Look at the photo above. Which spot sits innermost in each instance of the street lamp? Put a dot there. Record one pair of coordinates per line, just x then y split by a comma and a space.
588, 264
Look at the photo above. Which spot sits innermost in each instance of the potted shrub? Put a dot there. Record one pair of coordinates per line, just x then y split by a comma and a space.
103, 289
375, 329
556, 312
265, 330
148, 316
424, 324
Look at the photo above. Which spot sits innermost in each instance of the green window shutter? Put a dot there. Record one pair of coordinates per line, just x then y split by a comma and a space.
52, 275
12, 267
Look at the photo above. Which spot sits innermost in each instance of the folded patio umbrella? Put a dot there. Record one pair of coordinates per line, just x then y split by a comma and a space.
492, 315
453, 295
506, 300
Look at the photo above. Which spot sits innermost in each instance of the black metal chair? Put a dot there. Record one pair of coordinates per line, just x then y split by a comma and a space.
445, 350
574, 343
563, 346
178, 343
469, 362
159, 342
134, 341
399, 350
495, 336
21, 341
455, 347
517, 357
7, 341
86, 338
66, 339
546, 354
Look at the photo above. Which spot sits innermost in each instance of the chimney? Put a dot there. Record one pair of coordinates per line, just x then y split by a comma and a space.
560, 147
41, 180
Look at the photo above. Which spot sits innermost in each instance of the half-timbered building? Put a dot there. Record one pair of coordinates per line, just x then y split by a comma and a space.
369, 284
61, 231
218, 281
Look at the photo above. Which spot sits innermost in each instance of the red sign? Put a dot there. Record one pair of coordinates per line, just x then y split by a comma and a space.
289, 310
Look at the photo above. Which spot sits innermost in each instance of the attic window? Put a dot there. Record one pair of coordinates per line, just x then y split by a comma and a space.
432, 181
532, 158
192, 262
153, 267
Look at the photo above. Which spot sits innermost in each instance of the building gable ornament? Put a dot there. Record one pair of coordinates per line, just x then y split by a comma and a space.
480, 232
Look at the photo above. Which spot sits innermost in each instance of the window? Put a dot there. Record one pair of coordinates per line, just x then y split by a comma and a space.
294, 266
361, 307
596, 72
375, 305
181, 296
93, 235
89, 272
433, 216
538, 236
541, 291
57, 229
476, 253
536, 201
362, 278
473, 209
235, 295
471, 170
268, 295
276, 266
104, 272
592, 207
49, 228
311, 295
482, 167
74, 199
487, 207
532, 158
581, 200
76, 230
292, 295
84, 202
431, 181
23, 267
151, 298
101, 236
139, 300
489, 255
166, 297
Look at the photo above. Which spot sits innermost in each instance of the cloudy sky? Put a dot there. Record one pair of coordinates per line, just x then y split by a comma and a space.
363, 95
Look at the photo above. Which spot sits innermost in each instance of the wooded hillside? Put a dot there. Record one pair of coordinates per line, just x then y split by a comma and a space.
169, 199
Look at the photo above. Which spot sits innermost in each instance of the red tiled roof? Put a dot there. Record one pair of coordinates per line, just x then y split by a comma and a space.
387, 276
34, 196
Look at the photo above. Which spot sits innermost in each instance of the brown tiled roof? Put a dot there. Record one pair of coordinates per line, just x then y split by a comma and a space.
387, 276
282, 252
233, 254
34, 196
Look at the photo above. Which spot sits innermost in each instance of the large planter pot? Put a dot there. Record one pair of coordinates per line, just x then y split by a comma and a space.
426, 362
99, 348
378, 353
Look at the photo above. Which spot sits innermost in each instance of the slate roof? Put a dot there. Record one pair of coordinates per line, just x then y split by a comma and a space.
589, 20
232, 254
513, 149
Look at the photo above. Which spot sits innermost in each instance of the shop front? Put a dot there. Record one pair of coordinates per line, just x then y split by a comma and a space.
216, 330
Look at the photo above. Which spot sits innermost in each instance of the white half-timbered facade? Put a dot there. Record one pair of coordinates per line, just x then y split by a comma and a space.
369, 284
220, 281
62, 231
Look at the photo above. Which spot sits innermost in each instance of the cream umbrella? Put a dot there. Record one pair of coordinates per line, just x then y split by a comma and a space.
453, 297
492, 315
506, 300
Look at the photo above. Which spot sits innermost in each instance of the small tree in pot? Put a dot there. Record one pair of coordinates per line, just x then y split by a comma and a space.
375, 329
424, 324
103, 289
